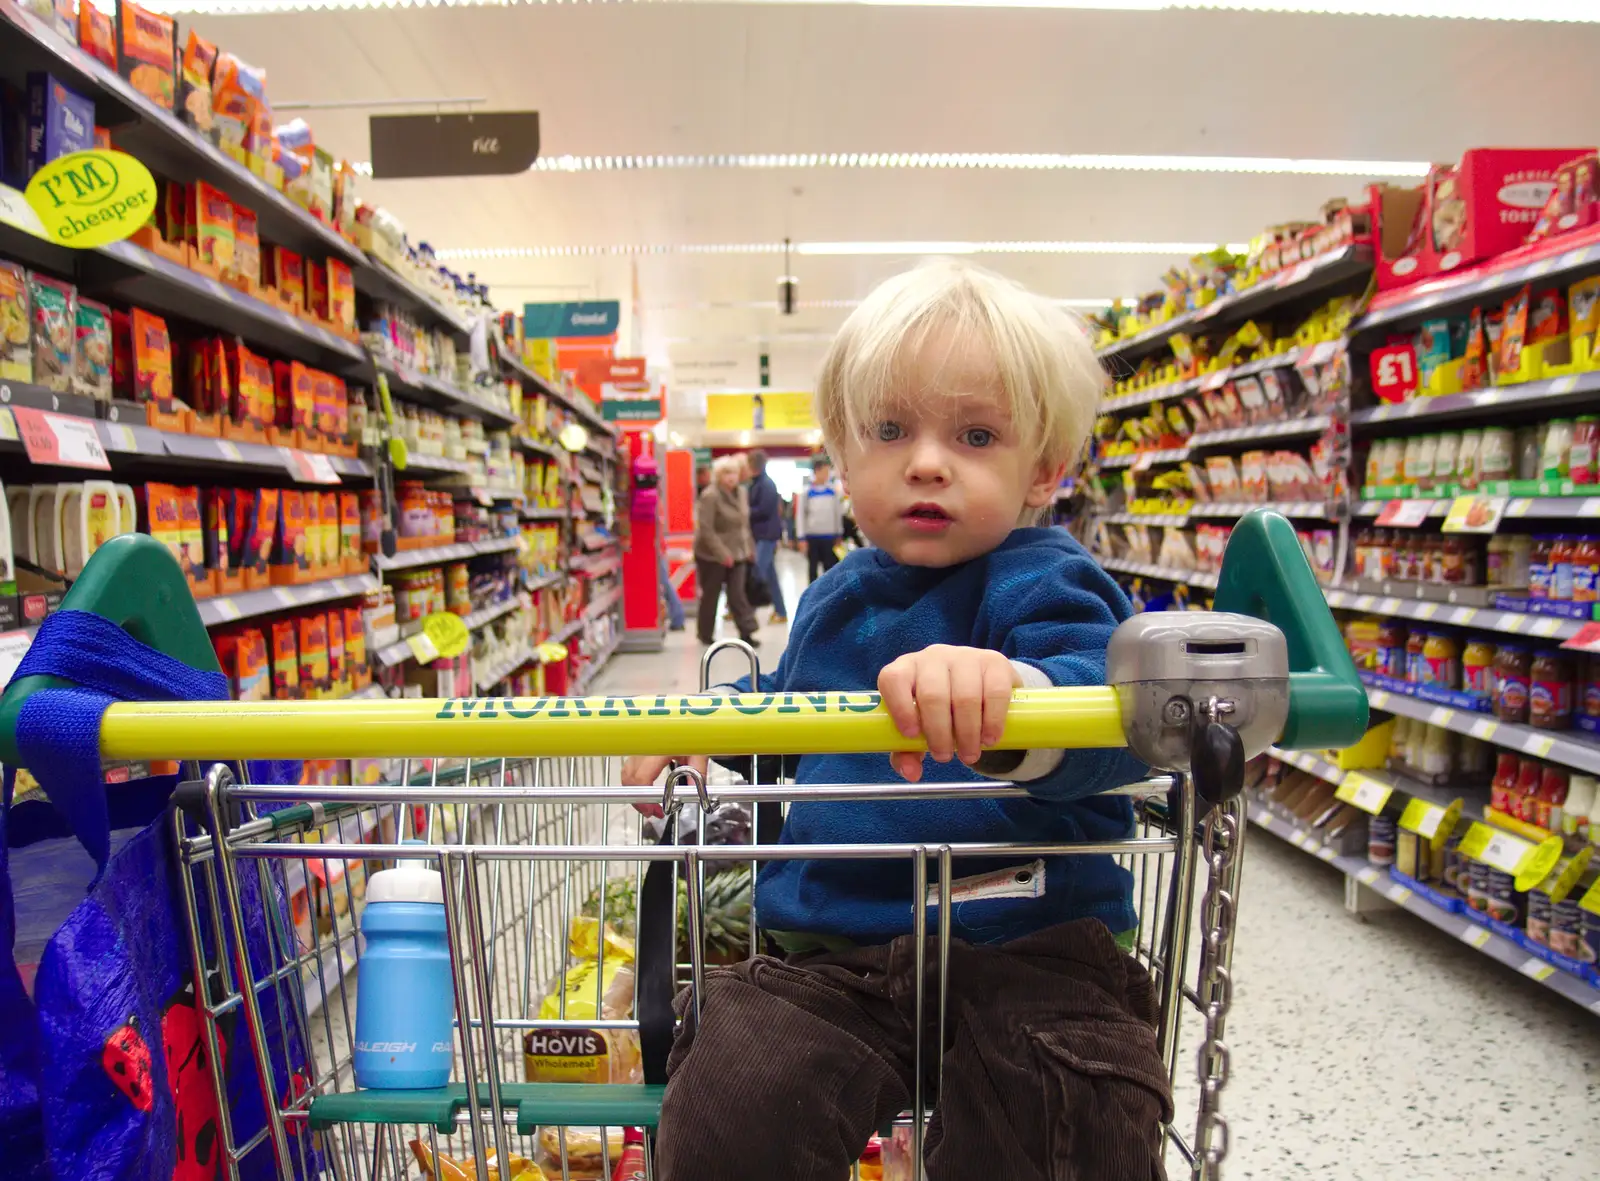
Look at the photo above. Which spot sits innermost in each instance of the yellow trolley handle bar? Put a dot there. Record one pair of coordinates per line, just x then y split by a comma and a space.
556, 727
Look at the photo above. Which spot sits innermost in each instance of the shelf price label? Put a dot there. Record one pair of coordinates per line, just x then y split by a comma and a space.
60, 439
1394, 372
1475, 514
308, 467
1432, 822
1359, 791
1530, 864
1405, 514
1586, 639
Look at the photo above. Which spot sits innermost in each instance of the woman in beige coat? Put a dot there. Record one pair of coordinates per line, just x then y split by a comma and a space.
723, 550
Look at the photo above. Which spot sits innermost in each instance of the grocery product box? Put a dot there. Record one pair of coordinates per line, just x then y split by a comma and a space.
60, 121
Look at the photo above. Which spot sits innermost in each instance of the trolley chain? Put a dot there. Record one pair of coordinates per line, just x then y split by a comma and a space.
1217, 915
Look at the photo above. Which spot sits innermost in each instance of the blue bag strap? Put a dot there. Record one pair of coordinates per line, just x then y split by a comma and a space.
58, 730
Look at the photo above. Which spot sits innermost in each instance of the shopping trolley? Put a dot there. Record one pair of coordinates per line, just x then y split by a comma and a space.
515, 803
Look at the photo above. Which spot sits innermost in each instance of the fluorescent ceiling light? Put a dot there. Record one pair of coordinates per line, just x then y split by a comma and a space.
850, 249
839, 304
1577, 11
992, 161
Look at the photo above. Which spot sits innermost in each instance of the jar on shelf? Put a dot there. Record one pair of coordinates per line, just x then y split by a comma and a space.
1562, 548
1477, 665
1504, 783
1441, 661
1552, 798
1530, 452
1556, 450
1469, 459
1513, 677
1497, 456
1432, 558
1590, 702
1414, 646
1586, 570
1539, 567
1390, 660
1438, 753
1582, 457
1550, 691
1458, 564
1530, 774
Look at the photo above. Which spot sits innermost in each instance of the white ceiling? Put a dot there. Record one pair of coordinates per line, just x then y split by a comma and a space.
768, 78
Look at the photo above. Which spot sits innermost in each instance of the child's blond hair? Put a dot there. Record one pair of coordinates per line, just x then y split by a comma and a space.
1051, 380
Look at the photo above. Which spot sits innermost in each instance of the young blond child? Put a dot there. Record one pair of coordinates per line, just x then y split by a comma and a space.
954, 402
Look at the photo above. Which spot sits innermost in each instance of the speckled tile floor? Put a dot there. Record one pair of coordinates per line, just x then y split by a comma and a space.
1364, 1049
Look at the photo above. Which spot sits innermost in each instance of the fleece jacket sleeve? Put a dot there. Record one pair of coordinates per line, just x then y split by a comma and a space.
1054, 624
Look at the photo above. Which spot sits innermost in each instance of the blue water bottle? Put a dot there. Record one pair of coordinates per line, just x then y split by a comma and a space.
405, 992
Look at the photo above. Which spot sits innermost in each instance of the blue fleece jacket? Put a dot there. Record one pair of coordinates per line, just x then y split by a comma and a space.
1040, 599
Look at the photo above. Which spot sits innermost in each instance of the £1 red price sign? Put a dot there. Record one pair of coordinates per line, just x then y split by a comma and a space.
1394, 372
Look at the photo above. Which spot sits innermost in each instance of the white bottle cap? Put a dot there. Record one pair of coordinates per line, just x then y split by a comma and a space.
406, 883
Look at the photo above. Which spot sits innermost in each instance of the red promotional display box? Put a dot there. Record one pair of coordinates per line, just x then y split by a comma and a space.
1482, 207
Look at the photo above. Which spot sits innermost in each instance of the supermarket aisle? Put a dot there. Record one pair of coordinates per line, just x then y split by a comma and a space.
1364, 1049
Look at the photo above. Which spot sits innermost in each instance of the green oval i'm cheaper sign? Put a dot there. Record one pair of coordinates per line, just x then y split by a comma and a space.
90, 199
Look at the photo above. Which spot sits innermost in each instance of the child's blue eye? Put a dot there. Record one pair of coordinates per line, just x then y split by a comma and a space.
977, 437
888, 432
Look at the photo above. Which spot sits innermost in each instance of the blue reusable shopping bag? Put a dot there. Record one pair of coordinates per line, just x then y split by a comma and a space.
106, 1073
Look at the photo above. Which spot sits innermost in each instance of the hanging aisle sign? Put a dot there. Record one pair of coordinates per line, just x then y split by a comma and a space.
90, 199
494, 143
598, 317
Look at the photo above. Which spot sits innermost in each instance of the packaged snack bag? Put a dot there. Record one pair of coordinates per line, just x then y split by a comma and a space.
163, 518
355, 645
1583, 306
341, 295
152, 359
292, 544
266, 507
338, 670
218, 522
285, 661
60, 121
199, 57
313, 637
246, 245
213, 234
193, 532
312, 508
237, 92
328, 515
147, 52
55, 331
16, 324
317, 289
91, 362
286, 272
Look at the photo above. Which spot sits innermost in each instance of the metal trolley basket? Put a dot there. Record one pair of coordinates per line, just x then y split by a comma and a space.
514, 802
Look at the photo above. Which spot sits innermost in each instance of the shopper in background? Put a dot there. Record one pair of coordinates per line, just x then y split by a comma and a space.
954, 400
722, 550
766, 527
669, 594
819, 518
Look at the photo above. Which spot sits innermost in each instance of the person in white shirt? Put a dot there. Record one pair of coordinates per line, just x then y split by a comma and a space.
819, 519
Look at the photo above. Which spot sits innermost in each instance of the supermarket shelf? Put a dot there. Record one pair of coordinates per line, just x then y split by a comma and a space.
1315, 509
544, 514
567, 632
1207, 381
1563, 260
1547, 508
500, 670
1313, 424
606, 602
548, 450
381, 281
1165, 573
399, 652
439, 394
1473, 798
540, 581
599, 569
1516, 622
1472, 934
161, 285
1552, 393
409, 559
1222, 509
159, 139
596, 667
1307, 279
1571, 748
590, 562
320, 978
1171, 455
435, 463
226, 608
579, 404
1176, 520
